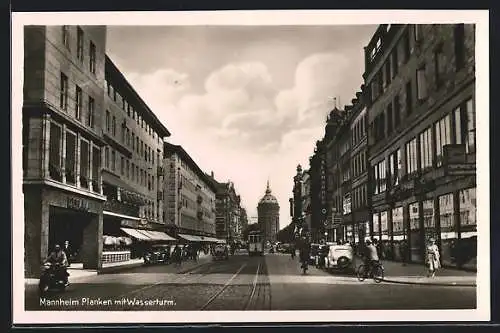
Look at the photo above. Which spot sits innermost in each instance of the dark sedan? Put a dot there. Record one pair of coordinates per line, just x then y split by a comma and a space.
157, 254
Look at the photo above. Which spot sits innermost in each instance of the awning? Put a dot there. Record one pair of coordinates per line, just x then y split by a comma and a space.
209, 239
136, 234
157, 235
191, 238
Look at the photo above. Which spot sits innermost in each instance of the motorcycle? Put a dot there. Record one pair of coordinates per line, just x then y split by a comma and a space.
51, 278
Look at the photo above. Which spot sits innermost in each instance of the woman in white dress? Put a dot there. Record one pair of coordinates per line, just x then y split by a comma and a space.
432, 257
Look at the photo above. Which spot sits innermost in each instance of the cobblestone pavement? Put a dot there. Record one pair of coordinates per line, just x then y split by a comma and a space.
272, 282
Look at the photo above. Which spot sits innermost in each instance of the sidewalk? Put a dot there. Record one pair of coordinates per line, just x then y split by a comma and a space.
396, 272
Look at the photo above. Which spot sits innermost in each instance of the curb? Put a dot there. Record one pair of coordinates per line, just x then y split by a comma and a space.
441, 284
112, 269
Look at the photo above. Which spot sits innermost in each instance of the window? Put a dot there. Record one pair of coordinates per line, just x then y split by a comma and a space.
346, 204
429, 220
108, 121
106, 157
70, 163
114, 126
380, 177
113, 161
78, 103
90, 119
443, 137
137, 144
421, 84
128, 109
409, 98
395, 167
84, 164
459, 41
96, 168
439, 65
63, 96
389, 119
123, 133
376, 224
384, 227
397, 112
426, 149
411, 157
128, 137
122, 166
394, 63
414, 216
397, 221
79, 44
418, 32
65, 36
55, 152
92, 56
133, 141
124, 104
465, 126
128, 169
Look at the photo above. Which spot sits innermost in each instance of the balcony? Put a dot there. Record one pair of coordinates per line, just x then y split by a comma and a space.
118, 207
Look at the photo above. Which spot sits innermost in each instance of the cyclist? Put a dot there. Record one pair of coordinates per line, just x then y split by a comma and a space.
371, 256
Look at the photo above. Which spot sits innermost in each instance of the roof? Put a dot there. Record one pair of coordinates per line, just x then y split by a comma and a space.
111, 69
168, 147
268, 198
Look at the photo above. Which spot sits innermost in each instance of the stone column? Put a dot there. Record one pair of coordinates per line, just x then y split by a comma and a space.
92, 242
77, 159
32, 232
91, 153
63, 153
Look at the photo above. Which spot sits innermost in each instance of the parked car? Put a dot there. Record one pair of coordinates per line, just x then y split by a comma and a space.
340, 257
158, 253
283, 248
220, 252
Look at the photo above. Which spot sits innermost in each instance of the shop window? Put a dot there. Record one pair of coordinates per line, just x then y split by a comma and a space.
346, 204
70, 163
429, 219
84, 164
55, 144
468, 228
443, 137
376, 225
416, 243
426, 149
449, 234
398, 232
384, 227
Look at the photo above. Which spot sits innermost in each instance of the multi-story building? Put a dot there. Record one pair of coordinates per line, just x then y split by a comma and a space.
243, 219
420, 84
268, 211
63, 102
318, 192
297, 217
190, 195
306, 198
132, 172
227, 211
360, 213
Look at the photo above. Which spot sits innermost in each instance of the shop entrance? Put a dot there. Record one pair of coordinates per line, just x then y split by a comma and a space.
68, 225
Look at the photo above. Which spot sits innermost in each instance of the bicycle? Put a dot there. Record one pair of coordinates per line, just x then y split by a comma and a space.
376, 272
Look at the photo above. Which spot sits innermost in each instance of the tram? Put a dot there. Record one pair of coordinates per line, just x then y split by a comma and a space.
255, 243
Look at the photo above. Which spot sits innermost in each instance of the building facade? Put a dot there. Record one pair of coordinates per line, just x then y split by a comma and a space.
268, 211
420, 84
318, 192
306, 199
63, 102
297, 216
132, 170
190, 195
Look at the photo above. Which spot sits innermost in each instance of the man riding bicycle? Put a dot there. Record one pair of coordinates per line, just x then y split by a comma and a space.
371, 256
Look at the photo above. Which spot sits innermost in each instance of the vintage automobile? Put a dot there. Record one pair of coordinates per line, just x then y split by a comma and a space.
220, 252
339, 257
156, 254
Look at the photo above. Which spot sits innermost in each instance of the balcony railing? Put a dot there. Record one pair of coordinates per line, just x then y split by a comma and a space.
118, 207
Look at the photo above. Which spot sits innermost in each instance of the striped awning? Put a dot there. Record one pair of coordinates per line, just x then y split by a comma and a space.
136, 234
191, 238
157, 235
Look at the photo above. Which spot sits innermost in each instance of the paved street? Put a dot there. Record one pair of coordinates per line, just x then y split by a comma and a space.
272, 282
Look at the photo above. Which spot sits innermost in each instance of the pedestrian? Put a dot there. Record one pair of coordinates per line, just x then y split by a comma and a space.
432, 257
67, 251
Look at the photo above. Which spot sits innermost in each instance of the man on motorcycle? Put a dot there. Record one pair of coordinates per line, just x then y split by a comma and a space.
59, 259
371, 255
304, 254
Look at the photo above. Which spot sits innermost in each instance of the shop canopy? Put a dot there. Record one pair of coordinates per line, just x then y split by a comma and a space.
136, 234
157, 235
209, 239
191, 238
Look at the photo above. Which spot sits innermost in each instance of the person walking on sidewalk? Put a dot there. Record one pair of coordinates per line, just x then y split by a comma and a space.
432, 257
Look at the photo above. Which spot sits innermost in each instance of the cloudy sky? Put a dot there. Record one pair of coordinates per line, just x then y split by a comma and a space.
246, 102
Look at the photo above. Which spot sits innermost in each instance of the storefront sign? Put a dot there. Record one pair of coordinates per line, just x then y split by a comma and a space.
77, 204
462, 169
